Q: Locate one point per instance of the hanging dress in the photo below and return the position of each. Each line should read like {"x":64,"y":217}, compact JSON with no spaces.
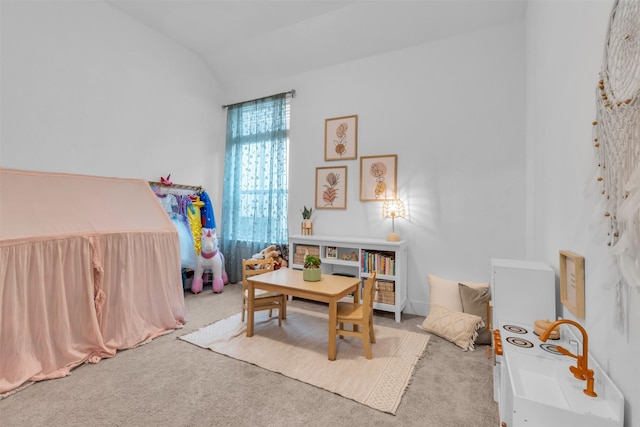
{"x":195,"y":220}
{"x":208,"y":217}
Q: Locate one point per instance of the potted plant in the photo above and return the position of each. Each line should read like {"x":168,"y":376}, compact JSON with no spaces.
{"x":311,"y":271}
{"x":307,"y":227}
{"x":306,"y":213}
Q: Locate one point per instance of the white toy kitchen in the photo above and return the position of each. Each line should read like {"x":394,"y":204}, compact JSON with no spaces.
{"x":534,"y":381}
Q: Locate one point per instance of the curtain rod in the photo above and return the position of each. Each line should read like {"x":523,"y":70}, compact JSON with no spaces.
{"x":292,"y":92}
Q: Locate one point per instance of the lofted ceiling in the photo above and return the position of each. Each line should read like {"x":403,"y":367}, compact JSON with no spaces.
{"x":243,"y":40}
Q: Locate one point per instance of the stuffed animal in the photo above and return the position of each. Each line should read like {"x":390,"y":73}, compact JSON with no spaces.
{"x":280,"y":262}
{"x":266,"y":253}
{"x":210,"y":259}
{"x":271,"y":252}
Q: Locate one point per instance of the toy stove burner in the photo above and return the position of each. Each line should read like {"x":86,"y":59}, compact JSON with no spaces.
{"x":551,"y":348}
{"x":515,"y":329}
{"x":520,"y":342}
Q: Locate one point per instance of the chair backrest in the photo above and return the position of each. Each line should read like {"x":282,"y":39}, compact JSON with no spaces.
{"x":367,"y":298}
{"x":253,"y":267}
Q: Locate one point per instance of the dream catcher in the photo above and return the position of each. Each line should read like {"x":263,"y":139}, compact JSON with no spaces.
{"x":616,"y":138}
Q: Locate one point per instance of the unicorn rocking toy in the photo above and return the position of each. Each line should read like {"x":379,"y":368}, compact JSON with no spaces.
{"x":210,"y":259}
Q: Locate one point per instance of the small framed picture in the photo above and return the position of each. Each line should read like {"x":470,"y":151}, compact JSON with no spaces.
{"x":331,"y":187}
{"x":378,"y":177}
{"x":572,"y":282}
{"x":341,"y":138}
{"x":332,"y":252}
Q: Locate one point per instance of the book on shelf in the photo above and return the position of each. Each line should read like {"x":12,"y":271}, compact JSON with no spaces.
{"x":381,"y":262}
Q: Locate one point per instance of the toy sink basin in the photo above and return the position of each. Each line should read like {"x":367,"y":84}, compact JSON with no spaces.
{"x":546,"y":393}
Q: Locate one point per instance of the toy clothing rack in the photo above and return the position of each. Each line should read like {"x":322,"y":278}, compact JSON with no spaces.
{"x":177,"y":199}
{"x":179,"y":189}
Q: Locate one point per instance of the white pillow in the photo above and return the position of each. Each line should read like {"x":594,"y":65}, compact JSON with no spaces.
{"x":459,"y":328}
{"x":445,"y":292}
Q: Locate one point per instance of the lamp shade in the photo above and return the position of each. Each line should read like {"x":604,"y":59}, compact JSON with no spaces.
{"x":393,"y":208}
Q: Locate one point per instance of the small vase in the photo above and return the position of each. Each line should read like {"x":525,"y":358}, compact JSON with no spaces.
{"x":311,"y":274}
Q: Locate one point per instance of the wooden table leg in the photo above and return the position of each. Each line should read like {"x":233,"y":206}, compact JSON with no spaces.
{"x":251,"y":291}
{"x":284,"y":308}
{"x":333,"y":318}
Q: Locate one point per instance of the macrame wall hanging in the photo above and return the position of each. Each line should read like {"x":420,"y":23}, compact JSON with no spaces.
{"x":616,"y":138}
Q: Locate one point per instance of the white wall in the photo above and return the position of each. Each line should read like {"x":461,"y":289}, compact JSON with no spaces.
{"x":565,"y":45}
{"x":453,"y":112}
{"x":86,"y":89}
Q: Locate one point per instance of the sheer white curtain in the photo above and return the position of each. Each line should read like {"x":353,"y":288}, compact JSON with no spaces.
{"x":255,"y":201}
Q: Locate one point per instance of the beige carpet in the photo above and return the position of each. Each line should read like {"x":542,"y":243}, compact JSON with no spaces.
{"x":298,"y":350}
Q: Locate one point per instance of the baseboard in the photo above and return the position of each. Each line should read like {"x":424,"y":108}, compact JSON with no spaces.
{"x":418,"y":308}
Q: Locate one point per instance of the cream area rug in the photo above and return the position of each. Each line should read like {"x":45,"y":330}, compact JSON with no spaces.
{"x":299,"y":348}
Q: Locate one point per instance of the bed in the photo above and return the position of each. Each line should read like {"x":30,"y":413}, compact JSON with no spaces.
{"x":88,"y":266}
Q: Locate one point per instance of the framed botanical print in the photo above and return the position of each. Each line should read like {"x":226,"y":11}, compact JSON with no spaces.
{"x":341,"y":138}
{"x":331,"y":187}
{"x":378,"y":177}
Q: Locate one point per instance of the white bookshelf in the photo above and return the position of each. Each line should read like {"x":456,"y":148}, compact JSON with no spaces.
{"x":361,"y":254}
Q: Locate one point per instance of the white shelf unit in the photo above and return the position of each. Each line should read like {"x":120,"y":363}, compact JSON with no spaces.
{"x":354,"y":248}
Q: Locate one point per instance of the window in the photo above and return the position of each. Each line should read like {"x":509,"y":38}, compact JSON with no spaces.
{"x":255,"y":191}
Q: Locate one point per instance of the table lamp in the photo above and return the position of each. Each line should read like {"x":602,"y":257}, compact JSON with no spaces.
{"x":393,"y":208}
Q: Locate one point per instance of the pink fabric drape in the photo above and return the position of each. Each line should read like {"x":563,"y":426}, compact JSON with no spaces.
{"x":88,"y":266}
